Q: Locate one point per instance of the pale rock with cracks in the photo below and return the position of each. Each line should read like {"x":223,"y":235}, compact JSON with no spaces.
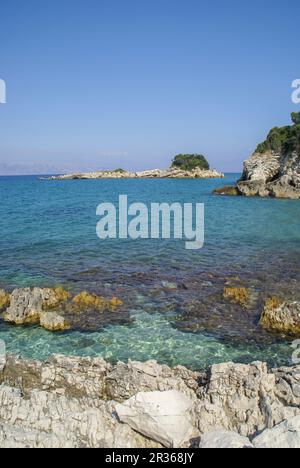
{"x":71,"y":401}
{"x":271,"y":174}
{"x":126,"y":380}
{"x":224,"y":440}
{"x":52,"y":420}
{"x":27,"y":306}
{"x":284,"y":435}
{"x":242,"y":398}
{"x":161,"y":416}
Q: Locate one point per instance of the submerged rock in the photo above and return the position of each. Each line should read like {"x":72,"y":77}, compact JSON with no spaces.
{"x":237,"y":295}
{"x":227,"y":190}
{"x":4,"y":299}
{"x":86,"y":300}
{"x":282,"y":316}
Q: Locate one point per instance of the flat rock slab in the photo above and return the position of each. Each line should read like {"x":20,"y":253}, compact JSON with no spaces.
{"x":162,"y":416}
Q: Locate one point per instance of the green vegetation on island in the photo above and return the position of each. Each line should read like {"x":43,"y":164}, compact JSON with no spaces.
{"x":189,"y":162}
{"x":119,"y":171}
{"x":283,"y":140}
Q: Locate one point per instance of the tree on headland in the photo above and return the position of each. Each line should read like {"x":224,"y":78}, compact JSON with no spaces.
{"x":189,"y":162}
{"x":284,"y":140}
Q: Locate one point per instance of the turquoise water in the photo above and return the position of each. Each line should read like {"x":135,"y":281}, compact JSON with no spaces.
{"x":48,"y":237}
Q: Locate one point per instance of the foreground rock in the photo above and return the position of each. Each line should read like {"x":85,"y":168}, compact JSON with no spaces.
{"x":285,"y":435}
{"x":274,"y":168}
{"x":244,"y":399}
{"x":74,"y":402}
{"x":161,"y":416}
{"x":224,"y":440}
{"x":282,"y":316}
{"x":171,"y":173}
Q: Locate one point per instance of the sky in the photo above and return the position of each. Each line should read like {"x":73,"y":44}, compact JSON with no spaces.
{"x":103,"y":84}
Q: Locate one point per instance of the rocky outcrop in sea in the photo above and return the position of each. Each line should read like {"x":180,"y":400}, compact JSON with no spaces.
{"x":171,"y":173}
{"x":85,"y":402}
{"x":274,"y":168}
{"x":55,"y":309}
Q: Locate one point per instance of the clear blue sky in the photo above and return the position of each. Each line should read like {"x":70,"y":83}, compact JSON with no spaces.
{"x":128,"y":83}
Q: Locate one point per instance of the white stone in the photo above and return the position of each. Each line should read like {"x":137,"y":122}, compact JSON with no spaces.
{"x":284,"y":435}
{"x":162,"y":416}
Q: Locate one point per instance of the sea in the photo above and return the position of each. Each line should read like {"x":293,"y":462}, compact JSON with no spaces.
{"x":173,"y":306}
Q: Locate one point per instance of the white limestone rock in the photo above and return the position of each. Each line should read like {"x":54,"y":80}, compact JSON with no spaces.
{"x":284,"y":435}
{"x":161,"y":416}
{"x":224,"y":440}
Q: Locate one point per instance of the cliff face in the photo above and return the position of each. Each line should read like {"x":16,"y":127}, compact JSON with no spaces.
{"x":272,"y":174}
{"x":274,"y":168}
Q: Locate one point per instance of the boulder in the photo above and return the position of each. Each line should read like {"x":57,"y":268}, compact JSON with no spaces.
{"x":26,"y":306}
{"x":229,"y":190}
{"x":282,"y":436}
{"x":224,"y":440}
{"x":52,"y":321}
{"x":282,"y":316}
{"x":53,"y":309}
{"x":252,"y":188}
{"x":161,"y":416}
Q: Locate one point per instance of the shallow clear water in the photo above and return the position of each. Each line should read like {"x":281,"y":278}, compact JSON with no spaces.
{"x":48,"y":237}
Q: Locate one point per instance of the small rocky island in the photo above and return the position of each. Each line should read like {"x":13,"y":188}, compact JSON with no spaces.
{"x":274,"y":168}
{"x":184,"y":166}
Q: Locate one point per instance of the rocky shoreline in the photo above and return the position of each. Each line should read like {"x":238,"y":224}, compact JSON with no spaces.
{"x":85,"y":402}
{"x":273,"y":170}
{"x":171,"y":173}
